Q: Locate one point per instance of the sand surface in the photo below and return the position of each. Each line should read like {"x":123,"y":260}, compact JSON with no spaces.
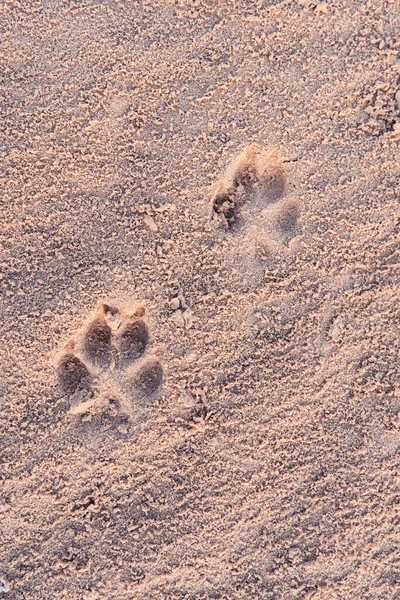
{"x":266,"y":465}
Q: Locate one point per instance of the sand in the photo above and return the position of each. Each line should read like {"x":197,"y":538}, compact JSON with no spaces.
{"x":250,"y":448}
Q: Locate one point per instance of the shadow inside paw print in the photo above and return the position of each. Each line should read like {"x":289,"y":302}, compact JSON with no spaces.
{"x":108,"y":363}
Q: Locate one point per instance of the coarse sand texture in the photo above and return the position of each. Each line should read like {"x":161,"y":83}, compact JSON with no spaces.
{"x":199,"y":283}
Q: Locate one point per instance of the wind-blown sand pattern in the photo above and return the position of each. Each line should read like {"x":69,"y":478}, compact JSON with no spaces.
{"x":239,"y":438}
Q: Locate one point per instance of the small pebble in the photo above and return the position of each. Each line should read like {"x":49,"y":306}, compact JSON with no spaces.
{"x":150,"y":223}
{"x":175,"y":303}
{"x":322,"y":8}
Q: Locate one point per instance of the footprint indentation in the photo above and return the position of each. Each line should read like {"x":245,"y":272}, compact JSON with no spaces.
{"x":72,"y":373}
{"x":97,"y":342}
{"x":255,"y":176}
{"x":251,"y":202}
{"x":149,"y":378}
{"x":132,"y":341}
{"x":224,"y":204}
{"x":109,"y":360}
{"x":288,"y":215}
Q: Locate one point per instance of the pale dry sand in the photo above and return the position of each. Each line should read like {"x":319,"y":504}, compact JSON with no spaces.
{"x":268,"y":467}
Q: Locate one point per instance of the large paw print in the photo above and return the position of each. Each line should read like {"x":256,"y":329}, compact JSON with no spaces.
{"x":108,"y":364}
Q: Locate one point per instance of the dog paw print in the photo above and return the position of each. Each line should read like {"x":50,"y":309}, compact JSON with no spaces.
{"x":256,"y":181}
{"x":108,"y":366}
{"x":252,"y":202}
{"x":255,"y":177}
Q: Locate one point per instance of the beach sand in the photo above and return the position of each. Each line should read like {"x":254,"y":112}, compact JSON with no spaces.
{"x":227,"y":174}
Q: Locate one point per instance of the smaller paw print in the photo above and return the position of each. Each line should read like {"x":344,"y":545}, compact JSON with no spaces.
{"x":108,"y":366}
{"x":256,"y":178}
{"x":253,"y":193}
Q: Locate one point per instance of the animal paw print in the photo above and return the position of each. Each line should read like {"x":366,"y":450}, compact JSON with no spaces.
{"x":108,"y":365}
{"x":256,"y":179}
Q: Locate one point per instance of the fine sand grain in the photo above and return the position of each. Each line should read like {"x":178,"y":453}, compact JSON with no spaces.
{"x":200,"y":374}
